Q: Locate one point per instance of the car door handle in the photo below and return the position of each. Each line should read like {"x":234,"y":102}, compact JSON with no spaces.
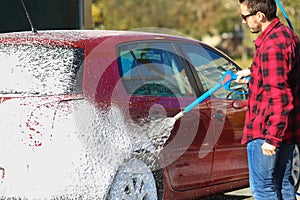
{"x":219,"y":115}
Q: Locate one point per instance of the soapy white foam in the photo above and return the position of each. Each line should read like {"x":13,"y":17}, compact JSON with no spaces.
{"x":51,"y":148}
{"x":36,"y":69}
{"x":76,"y":156}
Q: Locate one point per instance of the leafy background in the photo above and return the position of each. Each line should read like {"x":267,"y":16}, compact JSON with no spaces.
{"x":199,"y":19}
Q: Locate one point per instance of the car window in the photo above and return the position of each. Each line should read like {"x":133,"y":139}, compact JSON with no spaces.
{"x":153,"y":68}
{"x":40,"y":70}
{"x":210,"y":66}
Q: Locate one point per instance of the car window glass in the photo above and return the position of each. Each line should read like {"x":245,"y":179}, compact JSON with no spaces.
{"x":40,"y":70}
{"x":210,"y":66}
{"x":153,"y":68}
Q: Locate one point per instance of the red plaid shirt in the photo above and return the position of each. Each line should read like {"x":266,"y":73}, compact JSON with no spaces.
{"x":274,"y":88}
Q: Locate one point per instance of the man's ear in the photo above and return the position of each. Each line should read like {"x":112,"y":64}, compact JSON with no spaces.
{"x":261,"y":17}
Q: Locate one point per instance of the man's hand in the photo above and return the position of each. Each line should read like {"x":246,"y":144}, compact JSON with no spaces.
{"x":241,"y":76}
{"x":268,"y":149}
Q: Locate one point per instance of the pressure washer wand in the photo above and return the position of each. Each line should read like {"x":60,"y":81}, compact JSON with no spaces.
{"x":198,"y":101}
{"x":224,"y":82}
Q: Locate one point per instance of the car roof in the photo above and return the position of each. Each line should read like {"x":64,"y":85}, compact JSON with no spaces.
{"x":79,"y":38}
{"x":90,"y":38}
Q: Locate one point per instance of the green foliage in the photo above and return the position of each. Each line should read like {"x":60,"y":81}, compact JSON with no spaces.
{"x":194,"y":18}
{"x":191,"y":17}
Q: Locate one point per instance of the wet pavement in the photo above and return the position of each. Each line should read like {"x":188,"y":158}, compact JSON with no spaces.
{"x":243,"y":194}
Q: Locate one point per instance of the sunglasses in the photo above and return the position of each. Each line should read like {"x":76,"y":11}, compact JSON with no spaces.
{"x":244,"y":17}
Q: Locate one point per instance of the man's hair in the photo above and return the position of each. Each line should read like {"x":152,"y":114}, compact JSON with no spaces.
{"x":268,"y":7}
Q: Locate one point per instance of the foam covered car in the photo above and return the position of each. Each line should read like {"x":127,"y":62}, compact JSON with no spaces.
{"x":82,"y":116}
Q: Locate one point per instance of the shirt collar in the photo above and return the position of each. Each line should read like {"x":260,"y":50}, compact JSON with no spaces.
{"x":266,"y":32}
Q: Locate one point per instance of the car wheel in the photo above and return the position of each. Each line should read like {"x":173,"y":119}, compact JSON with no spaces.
{"x":296,"y":167}
{"x":134,"y":180}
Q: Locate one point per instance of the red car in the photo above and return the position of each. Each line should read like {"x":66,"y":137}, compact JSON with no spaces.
{"x":84,"y":113}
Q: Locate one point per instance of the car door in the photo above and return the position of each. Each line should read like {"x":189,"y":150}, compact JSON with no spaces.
{"x":156,"y":77}
{"x":227,"y":113}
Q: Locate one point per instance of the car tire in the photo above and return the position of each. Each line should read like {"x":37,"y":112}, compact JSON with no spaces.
{"x":136,"y":180}
{"x":296,"y":168}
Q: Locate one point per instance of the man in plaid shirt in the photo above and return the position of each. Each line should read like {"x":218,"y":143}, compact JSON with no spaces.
{"x":272,"y":124}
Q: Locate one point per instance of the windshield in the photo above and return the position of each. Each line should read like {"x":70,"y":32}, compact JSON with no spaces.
{"x":40,"y":70}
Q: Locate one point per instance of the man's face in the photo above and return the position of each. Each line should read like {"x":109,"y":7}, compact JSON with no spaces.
{"x":250,"y":18}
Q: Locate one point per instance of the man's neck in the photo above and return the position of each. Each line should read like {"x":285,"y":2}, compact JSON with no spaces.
{"x":265,"y":25}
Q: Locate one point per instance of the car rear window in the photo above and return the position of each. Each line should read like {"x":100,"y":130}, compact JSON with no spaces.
{"x":40,"y":70}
